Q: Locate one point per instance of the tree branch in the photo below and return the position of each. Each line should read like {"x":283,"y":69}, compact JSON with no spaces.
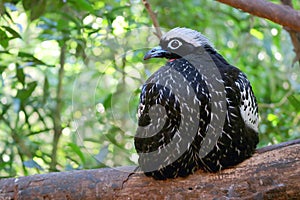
{"x":283,"y":15}
{"x":153,"y":18}
{"x":295,"y":36}
{"x":271,"y":173}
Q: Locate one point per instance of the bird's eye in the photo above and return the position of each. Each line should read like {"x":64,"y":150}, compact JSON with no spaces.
{"x":174,"y":44}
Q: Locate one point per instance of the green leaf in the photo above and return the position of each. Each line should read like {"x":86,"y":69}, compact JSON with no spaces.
{"x":27,"y":4}
{"x":20,"y":75}
{"x":107,"y":101}
{"x":6,"y":52}
{"x":24,"y":94}
{"x":30,"y":58}
{"x":76,"y":149}
{"x":3,"y":39}
{"x":36,"y":8}
{"x":2,"y":68}
{"x":14,"y":33}
{"x":82,"y":5}
{"x":45,"y":89}
{"x":4,"y":110}
{"x":61,"y":25}
{"x":295,"y":102}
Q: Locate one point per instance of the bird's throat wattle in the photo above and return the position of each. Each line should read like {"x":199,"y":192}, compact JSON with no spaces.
{"x":172,"y":59}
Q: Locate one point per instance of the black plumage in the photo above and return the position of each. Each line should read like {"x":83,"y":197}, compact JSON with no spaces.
{"x":196,"y":112}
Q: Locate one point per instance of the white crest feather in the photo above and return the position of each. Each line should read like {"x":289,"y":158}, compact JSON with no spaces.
{"x":190,"y":36}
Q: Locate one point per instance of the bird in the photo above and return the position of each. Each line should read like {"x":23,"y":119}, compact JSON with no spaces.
{"x":195,"y":112}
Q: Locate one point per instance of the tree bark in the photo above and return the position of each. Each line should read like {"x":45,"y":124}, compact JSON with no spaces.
{"x":280,"y":14}
{"x":272,"y":173}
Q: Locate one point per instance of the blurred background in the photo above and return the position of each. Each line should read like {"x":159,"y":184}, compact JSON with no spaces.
{"x":71,"y":72}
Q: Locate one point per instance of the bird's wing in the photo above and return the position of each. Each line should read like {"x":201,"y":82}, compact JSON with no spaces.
{"x":248,"y":104}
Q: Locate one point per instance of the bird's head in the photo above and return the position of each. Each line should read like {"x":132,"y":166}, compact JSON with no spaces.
{"x":178,"y":43}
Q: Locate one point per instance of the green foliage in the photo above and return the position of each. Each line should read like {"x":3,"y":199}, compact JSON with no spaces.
{"x":71,"y":71}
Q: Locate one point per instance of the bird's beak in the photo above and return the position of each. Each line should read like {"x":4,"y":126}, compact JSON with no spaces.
{"x":157,"y":52}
